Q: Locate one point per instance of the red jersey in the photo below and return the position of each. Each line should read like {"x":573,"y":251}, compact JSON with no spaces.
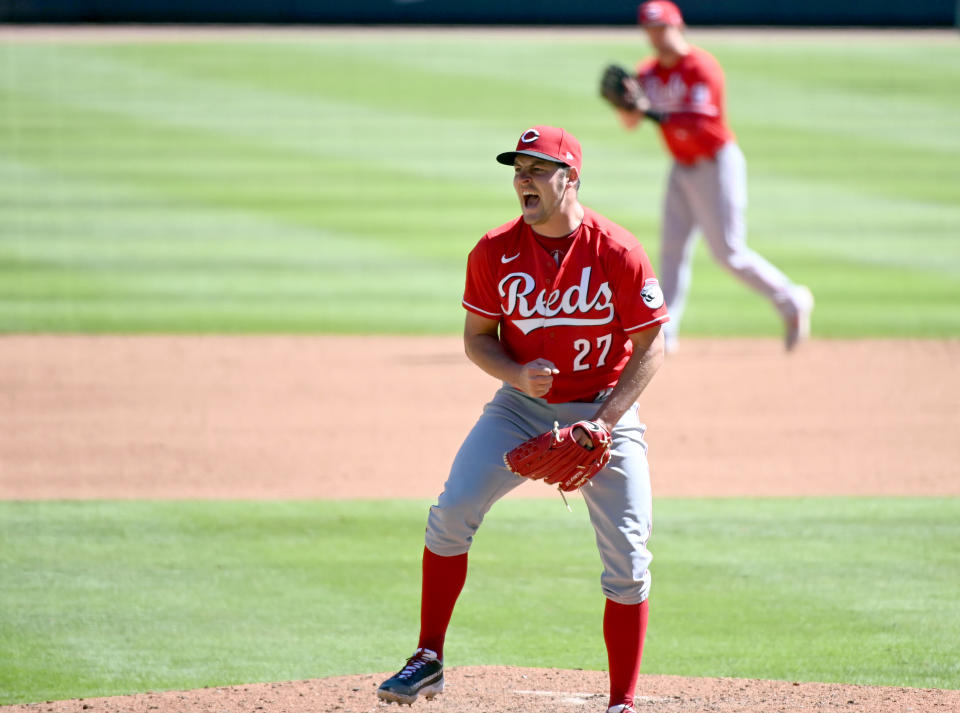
{"x":578,"y":313}
{"x":692,"y":94}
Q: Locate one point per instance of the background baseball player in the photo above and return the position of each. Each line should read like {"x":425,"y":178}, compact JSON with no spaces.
{"x":563,"y":307}
{"x":682,"y":89}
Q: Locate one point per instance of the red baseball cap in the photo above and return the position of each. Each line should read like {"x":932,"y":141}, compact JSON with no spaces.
{"x":547,"y":142}
{"x":657,"y":13}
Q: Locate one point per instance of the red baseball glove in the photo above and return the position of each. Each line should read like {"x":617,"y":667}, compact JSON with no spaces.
{"x":557,"y":458}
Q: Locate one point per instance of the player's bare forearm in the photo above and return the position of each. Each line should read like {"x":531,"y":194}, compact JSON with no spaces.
{"x":483,"y":347}
{"x":646,"y":359}
{"x":534,"y":378}
{"x":630,"y":118}
{"x":486,"y":351}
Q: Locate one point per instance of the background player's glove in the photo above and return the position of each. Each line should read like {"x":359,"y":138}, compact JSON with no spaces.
{"x":557,"y":457}
{"x":614,"y":89}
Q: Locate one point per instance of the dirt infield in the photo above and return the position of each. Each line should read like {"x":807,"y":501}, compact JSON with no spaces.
{"x":245,"y":417}
{"x":208,"y":417}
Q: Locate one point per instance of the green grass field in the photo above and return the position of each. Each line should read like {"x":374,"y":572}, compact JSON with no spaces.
{"x":118,"y":597}
{"x":334,"y":184}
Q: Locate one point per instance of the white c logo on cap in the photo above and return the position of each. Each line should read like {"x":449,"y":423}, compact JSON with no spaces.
{"x":529,"y":136}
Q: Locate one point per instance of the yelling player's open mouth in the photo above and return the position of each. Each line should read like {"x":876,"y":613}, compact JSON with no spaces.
{"x":530,"y":199}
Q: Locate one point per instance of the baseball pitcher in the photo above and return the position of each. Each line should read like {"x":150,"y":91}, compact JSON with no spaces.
{"x":562,"y":305}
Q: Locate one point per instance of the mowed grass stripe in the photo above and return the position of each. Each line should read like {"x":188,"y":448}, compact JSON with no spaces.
{"x":141,"y":260}
{"x":382,"y":142}
{"x":846,"y":114}
{"x":256,"y":102}
{"x":118,"y":597}
{"x":199,"y":165}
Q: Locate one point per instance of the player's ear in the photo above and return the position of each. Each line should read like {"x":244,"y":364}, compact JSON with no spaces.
{"x":573,"y":176}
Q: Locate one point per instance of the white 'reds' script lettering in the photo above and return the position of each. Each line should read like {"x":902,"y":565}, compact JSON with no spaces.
{"x":554,"y":309}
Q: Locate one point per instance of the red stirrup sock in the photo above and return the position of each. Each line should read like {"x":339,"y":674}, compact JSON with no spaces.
{"x":624,"y":628}
{"x":443,"y":579}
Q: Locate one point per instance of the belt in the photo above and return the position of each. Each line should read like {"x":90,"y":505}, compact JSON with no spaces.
{"x":584,"y":400}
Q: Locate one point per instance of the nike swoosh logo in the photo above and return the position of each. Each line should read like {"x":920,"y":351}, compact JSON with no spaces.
{"x":504,"y":259}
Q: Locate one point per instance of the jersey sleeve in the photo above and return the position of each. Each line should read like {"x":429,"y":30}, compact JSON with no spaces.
{"x":705,"y":79}
{"x":480,"y":294}
{"x":637,"y":291}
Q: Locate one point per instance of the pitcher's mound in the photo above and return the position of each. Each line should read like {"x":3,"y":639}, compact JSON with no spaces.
{"x":497,"y":689}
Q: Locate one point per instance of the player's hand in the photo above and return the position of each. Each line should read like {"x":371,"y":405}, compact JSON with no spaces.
{"x":634,"y":96}
{"x":536,"y":377}
{"x":584,"y":438}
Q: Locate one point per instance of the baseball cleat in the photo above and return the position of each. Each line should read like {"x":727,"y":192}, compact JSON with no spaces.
{"x":622,"y":708}
{"x":422,"y":675}
{"x":798,"y":326}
